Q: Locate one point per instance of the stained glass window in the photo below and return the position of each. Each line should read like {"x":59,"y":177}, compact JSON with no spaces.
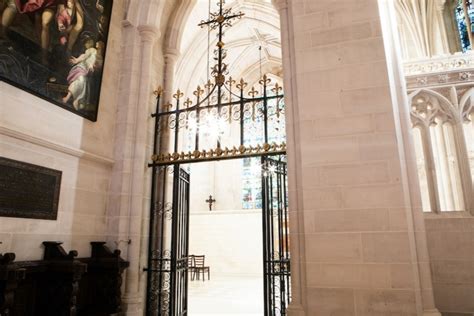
{"x":461,"y":23}
{"x":254,"y":135}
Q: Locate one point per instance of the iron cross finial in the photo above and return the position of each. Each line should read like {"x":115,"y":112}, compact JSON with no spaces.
{"x":210,"y":201}
{"x":221,"y":18}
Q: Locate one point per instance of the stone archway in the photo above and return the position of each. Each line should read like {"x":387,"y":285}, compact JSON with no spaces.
{"x":280,"y":20}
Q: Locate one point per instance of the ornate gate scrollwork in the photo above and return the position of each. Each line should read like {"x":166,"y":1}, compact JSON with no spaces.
{"x":168,"y":246}
{"x":221,"y":103}
{"x":276,"y":242}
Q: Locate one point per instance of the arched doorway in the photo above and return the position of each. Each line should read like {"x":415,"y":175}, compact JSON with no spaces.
{"x":193,"y":127}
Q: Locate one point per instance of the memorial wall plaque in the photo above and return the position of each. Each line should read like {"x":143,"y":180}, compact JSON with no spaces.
{"x":28,"y":191}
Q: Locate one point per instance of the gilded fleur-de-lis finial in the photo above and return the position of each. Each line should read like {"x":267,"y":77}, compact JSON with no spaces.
{"x":158,"y":91}
{"x":199,"y":91}
{"x":242,"y":84}
{"x":253,"y":92}
{"x":167,"y":106}
{"x":265,"y":80}
{"x":277,"y":88}
{"x":188,"y":103}
{"x":178,"y":95}
{"x":209,"y":85}
{"x":230,"y":81}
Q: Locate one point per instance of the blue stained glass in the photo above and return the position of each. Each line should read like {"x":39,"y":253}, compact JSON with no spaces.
{"x":254,"y":135}
{"x":461,"y":24}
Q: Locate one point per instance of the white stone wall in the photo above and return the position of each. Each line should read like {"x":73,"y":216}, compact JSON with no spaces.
{"x":230,"y":240}
{"x":358,"y":240}
{"x":222,"y":180}
{"x":451,"y":247}
{"x":35,"y":131}
{"x":230,"y":237}
{"x":355,"y":213}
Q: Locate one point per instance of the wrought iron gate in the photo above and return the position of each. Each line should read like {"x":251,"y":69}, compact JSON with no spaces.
{"x":167,"y":285}
{"x":276,"y":251}
{"x":189,"y":130}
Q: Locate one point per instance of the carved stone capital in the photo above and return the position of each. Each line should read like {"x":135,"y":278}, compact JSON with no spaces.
{"x":171,"y":54}
{"x":148,"y":33}
{"x":126,"y":23}
{"x":280,"y":4}
{"x":440,"y":5}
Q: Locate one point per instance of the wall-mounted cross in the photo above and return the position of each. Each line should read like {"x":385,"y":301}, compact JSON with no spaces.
{"x":210,"y":201}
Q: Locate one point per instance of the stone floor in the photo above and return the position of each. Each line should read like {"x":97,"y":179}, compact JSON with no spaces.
{"x":226,"y":295}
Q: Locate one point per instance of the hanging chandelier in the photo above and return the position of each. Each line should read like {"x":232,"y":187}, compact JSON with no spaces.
{"x":216,"y":106}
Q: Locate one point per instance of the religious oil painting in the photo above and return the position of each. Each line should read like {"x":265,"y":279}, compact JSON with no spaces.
{"x":55,"y":49}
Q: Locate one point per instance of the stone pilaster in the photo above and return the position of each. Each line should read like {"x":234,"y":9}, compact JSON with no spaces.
{"x":132,"y":296}
{"x":356,"y":238}
{"x":298,"y":269}
{"x":409,"y":179}
{"x":170,"y":57}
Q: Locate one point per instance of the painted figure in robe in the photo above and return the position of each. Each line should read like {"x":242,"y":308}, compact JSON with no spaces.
{"x":79,"y":75}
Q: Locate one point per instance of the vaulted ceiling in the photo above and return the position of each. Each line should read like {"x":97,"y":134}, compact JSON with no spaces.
{"x":259,"y":28}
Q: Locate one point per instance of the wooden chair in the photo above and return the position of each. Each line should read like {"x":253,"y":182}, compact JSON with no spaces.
{"x":200,"y":268}
{"x":191,"y":266}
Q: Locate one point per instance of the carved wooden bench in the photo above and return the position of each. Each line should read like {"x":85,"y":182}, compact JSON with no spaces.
{"x":62,"y":284}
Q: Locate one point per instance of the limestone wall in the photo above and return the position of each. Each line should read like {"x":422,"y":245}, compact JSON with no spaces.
{"x":35,"y":131}
{"x":222,"y":180}
{"x":352,"y":201}
{"x":451,"y":248}
{"x":230,"y":240}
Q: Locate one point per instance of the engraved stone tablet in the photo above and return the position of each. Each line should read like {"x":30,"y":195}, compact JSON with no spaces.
{"x":28,"y":190}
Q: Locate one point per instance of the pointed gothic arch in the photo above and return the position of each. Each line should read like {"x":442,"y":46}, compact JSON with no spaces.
{"x":171,"y":55}
{"x":192,"y":58}
{"x":443,"y":162}
{"x":144,"y":12}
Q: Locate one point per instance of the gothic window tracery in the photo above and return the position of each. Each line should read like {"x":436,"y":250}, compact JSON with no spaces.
{"x":441,"y":150}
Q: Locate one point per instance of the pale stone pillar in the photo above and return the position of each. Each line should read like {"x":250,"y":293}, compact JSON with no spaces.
{"x":133,"y":296}
{"x":440,"y":38}
{"x":401,"y":109}
{"x":358,"y":240}
{"x":298,"y":279}
{"x":450,"y":25}
{"x":170,"y":57}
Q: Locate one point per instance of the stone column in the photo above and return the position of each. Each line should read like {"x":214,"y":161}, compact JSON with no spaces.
{"x":170,"y":56}
{"x":298,"y":279}
{"x":447,"y":9}
{"x":133,"y":297}
{"x":361,"y":248}
{"x":409,"y":173}
{"x":440,"y":38}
